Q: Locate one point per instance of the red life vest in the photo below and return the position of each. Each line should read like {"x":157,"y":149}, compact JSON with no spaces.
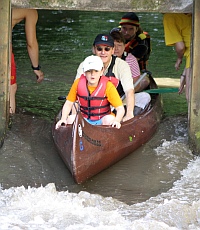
{"x":96,"y":105}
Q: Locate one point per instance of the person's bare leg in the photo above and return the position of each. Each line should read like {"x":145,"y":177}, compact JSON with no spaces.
{"x":185,"y":82}
{"x":187,"y":88}
{"x":13,"y":90}
{"x":180,"y":49}
{"x":144,"y":83}
{"x":182,"y":82}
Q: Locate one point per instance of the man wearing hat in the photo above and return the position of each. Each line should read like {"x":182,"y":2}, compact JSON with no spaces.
{"x":137,"y":41}
{"x":119,"y":73}
{"x":95,"y":94}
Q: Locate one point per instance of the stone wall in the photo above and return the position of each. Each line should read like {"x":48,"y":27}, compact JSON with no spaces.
{"x":109,"y":5}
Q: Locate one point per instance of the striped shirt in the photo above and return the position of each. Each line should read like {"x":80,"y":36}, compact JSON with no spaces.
{"x":133,"y":63}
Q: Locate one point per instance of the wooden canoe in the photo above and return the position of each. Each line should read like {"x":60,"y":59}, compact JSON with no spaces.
{"x":88,"y":150}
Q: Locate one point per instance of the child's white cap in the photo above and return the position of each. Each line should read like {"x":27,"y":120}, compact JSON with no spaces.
{"x":92,"y":63}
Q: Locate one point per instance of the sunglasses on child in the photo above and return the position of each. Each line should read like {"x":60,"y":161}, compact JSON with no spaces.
{"x":100,"y":48}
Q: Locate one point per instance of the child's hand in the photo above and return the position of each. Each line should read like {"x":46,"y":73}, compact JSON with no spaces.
{"x":115,"y":124}
{"x":60,"y":123}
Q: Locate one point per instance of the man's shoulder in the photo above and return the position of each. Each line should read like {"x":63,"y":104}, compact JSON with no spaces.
{"x":121,"y":68}
{"x":120,"y":62}
{"x":79,"y":70}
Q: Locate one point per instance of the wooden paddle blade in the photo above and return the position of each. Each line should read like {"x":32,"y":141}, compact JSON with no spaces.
{"x":162,"y":90}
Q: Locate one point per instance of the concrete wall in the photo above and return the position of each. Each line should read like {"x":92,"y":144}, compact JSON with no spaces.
{"x":109,"y":5}
{"x":5,"y":28}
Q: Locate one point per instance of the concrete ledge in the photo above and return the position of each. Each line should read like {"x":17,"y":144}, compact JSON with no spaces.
{"x":167,"y":82}
{"x":111,"y":5}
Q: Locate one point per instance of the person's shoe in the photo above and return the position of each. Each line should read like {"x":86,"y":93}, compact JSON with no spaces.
{"x":137,"y":110}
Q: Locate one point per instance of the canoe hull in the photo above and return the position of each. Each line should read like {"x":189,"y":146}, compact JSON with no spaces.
{"x":88,"y":149}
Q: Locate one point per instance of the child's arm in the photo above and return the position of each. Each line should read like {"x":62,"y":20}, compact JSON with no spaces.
{"x":119,"y":115}
{"x":71,"y":98}
{"x":65,"y":113}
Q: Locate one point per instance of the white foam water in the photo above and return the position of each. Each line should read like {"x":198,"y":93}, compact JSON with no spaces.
{"x":178,"y":208}
{"x":46,"y":208}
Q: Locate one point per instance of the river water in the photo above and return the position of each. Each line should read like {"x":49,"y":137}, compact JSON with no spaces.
{"x":156,"y":187}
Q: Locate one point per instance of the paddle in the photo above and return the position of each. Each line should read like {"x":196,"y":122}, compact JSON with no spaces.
{"x":162,"y":90}
{"x":159,"y":90}
{"x":141,"y":77}
{"x":62,"y":98}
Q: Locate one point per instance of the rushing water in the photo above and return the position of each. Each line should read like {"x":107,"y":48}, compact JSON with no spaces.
{"x":156,"y":187}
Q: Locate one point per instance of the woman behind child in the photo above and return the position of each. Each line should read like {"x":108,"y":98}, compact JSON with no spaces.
{"x":132,"y":61}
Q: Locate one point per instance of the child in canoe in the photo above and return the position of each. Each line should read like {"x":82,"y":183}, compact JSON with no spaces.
{"x":95,"y":93}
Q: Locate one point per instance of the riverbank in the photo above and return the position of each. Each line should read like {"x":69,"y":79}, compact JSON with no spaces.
{"x":167,"y":82}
